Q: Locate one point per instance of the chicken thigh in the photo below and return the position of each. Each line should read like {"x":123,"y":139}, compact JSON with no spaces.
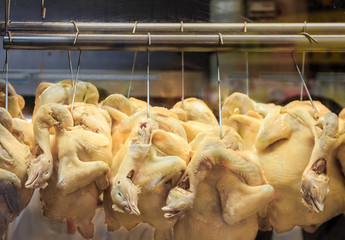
{"x":245,"y":116}
{"x":62,"y":93}
{"x":296,"y":148}
{"x":222,"y":192}
{"x":166,"y":120}
{"x":15,"y":102}
{"x":71,"y":171}
{"x":195,"y":116}
{"x":144,"y":170}
{"x":13,"y":166}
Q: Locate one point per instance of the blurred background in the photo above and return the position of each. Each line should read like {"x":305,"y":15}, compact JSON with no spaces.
{"x":272,"y":76}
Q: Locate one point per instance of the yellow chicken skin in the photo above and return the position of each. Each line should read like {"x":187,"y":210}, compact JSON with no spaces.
{"x":15,"y":102}
{"x":119,"y":108}
{"x":222,"y":193}
{"x":144,"y":169}
{"x":166,"y":120}
{"x":296,"y":148}
{"x":71,"y":171}
{"x":195,"y":116}
{"x":245,"y":116}
{"x":13,"y":166}
{"x":62,"y":93}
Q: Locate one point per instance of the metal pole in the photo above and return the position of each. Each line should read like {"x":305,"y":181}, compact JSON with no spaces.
{"x":196,"y":28}
{"x":178,"y":42}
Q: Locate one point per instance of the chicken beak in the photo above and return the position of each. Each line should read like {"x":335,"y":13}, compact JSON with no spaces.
{"x":134,"y":209}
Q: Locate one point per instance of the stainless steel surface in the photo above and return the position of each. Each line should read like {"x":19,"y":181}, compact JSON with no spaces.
{"x":224,"y":28}
{"x":304,"y":84}
{"x":176,"y":42}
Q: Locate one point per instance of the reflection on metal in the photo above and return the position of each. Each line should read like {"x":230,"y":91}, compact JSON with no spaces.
{"x":304,"y":84}
{"x":263,"y":37}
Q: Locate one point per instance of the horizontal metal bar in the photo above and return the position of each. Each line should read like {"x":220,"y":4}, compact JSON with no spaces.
{"x":171,"y":42}
{"x":224,"y":28}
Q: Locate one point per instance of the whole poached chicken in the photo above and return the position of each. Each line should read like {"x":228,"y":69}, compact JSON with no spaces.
{"x":71,"y":169}
{"x":145,"y":167}
{"x":222,"y":192}
{"x":297,"y":148}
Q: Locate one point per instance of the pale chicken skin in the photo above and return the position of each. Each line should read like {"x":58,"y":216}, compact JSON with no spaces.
{"x":145,"y":168}
{"x":14,"y":156}
{"x":195,"y":116}
{"x":62,"y":93}
{"x":15,"y":102}
{"x":296,"y":148}
{"x":72,"y":171}
{"x":245,"y":116}
{"x":119,"y":108}
{"x":166,"y":120}
{"x":222,"y":193}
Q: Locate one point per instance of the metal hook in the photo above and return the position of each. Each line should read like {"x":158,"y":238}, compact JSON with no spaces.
{"x":76,"y":33}
{"x":76,"y":81}
{"x":133,"y":67}
{"x":221,"y":41}
{"x":307,"y":35}
{"x":70,"y":66}
{"x":247,"y":74}
{"x":219,"y":98}
{"x":181,"y":26}
{"x":148,"y":84}
{"x":149,"y":38}
{"x":10,"y":36}
{"x":303,"y":64}
{"x":304,"y":84}
{"x":304,"y":26}
{"x":6,"y":79}
{"x":43,"y":10}
{"x":135,"y":26}
{"x":182,"y":78}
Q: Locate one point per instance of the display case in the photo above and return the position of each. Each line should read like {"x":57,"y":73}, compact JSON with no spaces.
{"x":173,"y":120}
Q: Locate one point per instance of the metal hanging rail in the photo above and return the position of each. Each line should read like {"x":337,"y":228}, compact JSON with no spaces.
{"x":259,"y":37}
{"x":224,"y":28}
